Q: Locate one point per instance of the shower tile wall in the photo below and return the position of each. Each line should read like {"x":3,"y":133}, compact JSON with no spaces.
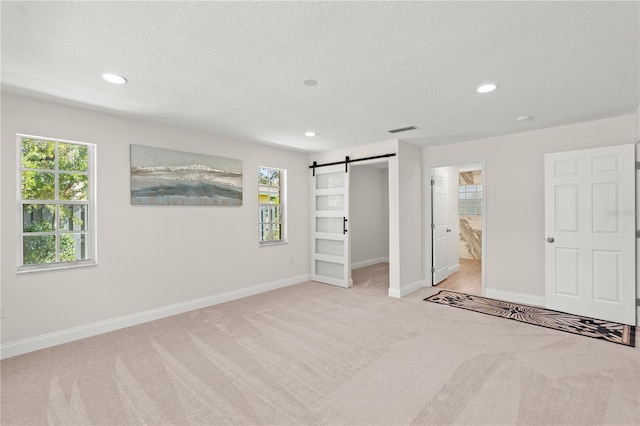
{"x":470,"y":225}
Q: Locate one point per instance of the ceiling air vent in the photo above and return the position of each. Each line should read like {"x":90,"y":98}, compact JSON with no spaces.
{"x":403,"y":129}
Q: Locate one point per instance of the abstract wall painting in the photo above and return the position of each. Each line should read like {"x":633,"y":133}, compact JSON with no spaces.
{"x":167,"y":177}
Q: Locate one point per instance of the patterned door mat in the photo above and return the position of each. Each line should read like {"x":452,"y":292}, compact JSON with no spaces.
{"x":599,"y":329}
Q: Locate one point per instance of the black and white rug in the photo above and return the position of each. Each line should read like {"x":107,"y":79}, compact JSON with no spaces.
{"x":576,"y":324}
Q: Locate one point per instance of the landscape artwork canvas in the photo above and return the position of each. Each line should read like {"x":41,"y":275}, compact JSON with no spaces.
{"x":167,"y":177}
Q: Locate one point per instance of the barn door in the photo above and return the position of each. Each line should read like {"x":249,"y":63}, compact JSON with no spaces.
{"x":330,"y":253}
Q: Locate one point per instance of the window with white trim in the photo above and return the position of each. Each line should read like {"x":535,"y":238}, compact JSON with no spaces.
{"x":271,"y":226}
{"x":56,"y":206}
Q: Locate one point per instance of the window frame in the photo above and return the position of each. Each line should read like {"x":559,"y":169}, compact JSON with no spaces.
{"x":91,"y":218}
{"x":283,"y":208}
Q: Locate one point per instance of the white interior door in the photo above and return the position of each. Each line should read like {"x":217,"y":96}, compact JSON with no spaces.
{"x":440,"y":230}
{"x":330,"y":253}
{"x":590,"y":232}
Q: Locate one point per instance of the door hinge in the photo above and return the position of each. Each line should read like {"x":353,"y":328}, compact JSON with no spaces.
{"x":433,"y":270}
{"x":637,"y":165}
{"x":433,"y":226}
{"x":433,"y":182}
{"x":637,"y":234}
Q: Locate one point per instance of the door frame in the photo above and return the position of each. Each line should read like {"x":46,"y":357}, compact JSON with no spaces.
{"x":393,"y":257}
{"x":428,"y":219}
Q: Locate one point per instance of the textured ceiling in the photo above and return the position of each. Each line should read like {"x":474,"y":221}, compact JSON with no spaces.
{"x":236,"y":69}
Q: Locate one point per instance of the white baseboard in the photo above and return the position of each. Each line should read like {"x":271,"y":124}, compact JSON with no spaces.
{"x":76,"y":333}
{"x":407,"y":289}
{"x":454,"y":268}
{"x":369,"y":262}
{"x":508,"y":296}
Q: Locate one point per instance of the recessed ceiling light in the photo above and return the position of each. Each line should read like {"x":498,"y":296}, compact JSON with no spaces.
{"x":310,"y":134}
{"x":523,"y":117}
{"x":311,"y":82}
{"x":114,"y":78}
{"x":486,"y":88}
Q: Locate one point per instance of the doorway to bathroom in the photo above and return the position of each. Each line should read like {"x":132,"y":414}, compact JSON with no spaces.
{"x":457,"y":221}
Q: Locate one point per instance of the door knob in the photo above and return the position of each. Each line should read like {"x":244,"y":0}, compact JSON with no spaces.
{"x":448,"y":230}
{"x":550,"y":239}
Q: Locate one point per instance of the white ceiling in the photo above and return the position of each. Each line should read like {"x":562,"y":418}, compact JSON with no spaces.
{"x":236,"y":69}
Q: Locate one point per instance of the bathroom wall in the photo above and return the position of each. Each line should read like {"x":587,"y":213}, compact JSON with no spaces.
{"x":470,"y":244}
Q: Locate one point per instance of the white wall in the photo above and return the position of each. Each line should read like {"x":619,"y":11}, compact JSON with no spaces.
{"x":637,"y":125}
{"x":369,"y":211}
{"x":411,"y":217}
{"x":149,"y":256}
{"x":514,"y":194}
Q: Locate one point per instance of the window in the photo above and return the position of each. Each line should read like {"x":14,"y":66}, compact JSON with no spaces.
{"x":271,"y":205}
{"x":470,"y":200}
{"x":56,"y":206}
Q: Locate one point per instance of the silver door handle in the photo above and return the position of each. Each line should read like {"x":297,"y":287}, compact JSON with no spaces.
{"x":550,"y":239}
{"x":448,"y":230}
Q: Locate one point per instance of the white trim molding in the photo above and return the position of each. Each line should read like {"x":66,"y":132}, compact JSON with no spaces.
{"x":401,"y":292}
{"x":454,"y":268}
{"x":508,"y":296}
{"x":81,"y":332}
{"x":369,"y":262}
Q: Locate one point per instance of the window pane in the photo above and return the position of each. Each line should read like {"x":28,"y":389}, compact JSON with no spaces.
{"x":471,"y":195}
{"x":73,"y":187}
{"x":38,"y":154}
{"x":461,"y":195}
{"x":330,"y":180}
{"x":38,"y":185}
{"x":263,"y":214}
{"x":264,"y":232}
{"x":39,"y":249}
{"x":479,"y":195}
{"x":479,"y":187}
{"x":330,"y":202}
{"x":275,"y":232}
{"x":461,"y":188}
{"x":38,"y":217}
{"x":73,"y":157}
{"x":274,"y":196}
{"x":333,"y":225}
{"x":73,"y":217}
{"x":73,"y":247}
{"x":275,"y":213}
{"x":274,"y":178}
{"x":263,"y":176}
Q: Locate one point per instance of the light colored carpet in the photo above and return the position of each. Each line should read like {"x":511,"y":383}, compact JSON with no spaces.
{"x":317,"y":354}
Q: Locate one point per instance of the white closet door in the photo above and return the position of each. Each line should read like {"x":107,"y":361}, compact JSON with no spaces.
{"x":330,"y":253}
{"x":590,"y":248}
